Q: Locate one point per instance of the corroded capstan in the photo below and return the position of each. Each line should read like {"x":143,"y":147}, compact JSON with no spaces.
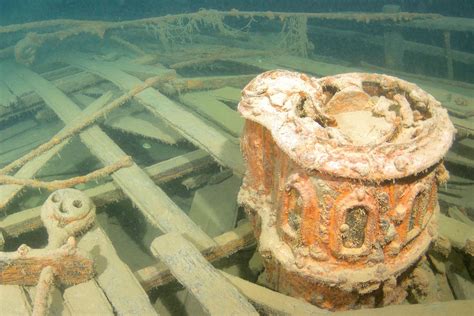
{"x":341,"y":182}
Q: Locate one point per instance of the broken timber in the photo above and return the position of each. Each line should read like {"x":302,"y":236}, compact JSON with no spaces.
{"x":224,"y":150}
{"x":228,"y":243}
{"x":157,"y":207}
{"x":216,"y":295}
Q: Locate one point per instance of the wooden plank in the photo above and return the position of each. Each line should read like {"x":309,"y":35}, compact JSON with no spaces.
{"x":87,"y":299}
{"x":269,"y":302}
{"x":227,"y":244}
{"x":153,"y":202}
{"x":209,"y":82}
{"x":128,"y":65}
{"x":216,"y":295}
{"x":224,"y":150}
{"x":68,"y":84}
{"x":214,"y":207}
{"x":56,"y":305}
{"x":13,"y":301}
{"x":208,"y":104}
{"x":458,"y":159}
{"x":464,"y":127}
{"x":16,"y":147}
{"x":458,"y":191}
{"x":141,"y":123}
{"x":28,"y":220}
{"x":15,"y":84}
{"x":444,"y":23}
{"x":114,"y":277}
{"x":459,"y":278}
{"x":459,"y":234}
{"x":31,"y":168}
{"x":431,"y":309}
{"x":135,"y":120}
{"x":455,"y":213}
{"x":17,"y":129}
{"x":7,"y":98}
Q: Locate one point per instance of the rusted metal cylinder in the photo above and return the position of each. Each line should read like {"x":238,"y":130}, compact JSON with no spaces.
{"x":341,"y":182}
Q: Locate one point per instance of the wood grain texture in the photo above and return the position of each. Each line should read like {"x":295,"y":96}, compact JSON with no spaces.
{"x":216,"y":295}
{"x":157,"y":207}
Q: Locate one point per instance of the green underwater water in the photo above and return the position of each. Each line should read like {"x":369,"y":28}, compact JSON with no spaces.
{"x":233,"y":41}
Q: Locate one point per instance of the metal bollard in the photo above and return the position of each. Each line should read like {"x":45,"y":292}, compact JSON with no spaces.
{"x":341,"y":183}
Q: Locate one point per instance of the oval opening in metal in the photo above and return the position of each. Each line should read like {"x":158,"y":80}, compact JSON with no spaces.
{"x":356,"y":222}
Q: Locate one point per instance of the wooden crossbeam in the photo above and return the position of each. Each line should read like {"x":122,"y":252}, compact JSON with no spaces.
{"x":28,"y":220}
{"x":459,"y":234}
{"x":157,"y":207}
{"x":14,"y":301}
{"x":216,"y":295}
{"x":29,"y":170}
{"x":87,"y":299}
{"x":226,"y":244}
{"x":224,"y":150}
{"x":114,"y":277}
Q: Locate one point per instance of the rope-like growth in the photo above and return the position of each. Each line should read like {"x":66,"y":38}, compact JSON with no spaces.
{"x":71,"y":182}
{"x":78,"y":125}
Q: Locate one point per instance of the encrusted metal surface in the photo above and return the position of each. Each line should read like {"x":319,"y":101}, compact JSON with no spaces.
{"x":341,"y":182}
{"x":302,"y":115}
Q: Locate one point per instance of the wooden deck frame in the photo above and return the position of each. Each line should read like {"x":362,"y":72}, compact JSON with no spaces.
{"x":140,"y":188}
{"x":150,"y":199}
{"x":223,"y":149}
{"x":459,"y":241}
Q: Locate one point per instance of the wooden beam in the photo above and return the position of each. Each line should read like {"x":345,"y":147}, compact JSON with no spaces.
{"x":114,"y":277}
{"x":13,"y":301}
{"x":208,"y":104}
{"x":69,"y":84}
{"x":27,"y":220}
{"x":141,"y":123}
{"x":431,"y":309}
{"x":325,"y":33}
{"x":216,"y":295}
{"x":242,"y":236}
{"x":207,"y":83}
{"x":153,"y":202}
{"x":87,"y":299}
{"x":269,"y":302}
{"x":227,"y":244}
{"x":223,"y":149}
{"x":449,"y":54}
{"x":29,"y":170}
{"x":459,"y":234}
{"x":393,"y":41}
{"x":455,"y":213}
{"x":459,"y":278}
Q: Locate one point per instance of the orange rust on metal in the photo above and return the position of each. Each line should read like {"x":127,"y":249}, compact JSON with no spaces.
{"x":341,"y":182}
